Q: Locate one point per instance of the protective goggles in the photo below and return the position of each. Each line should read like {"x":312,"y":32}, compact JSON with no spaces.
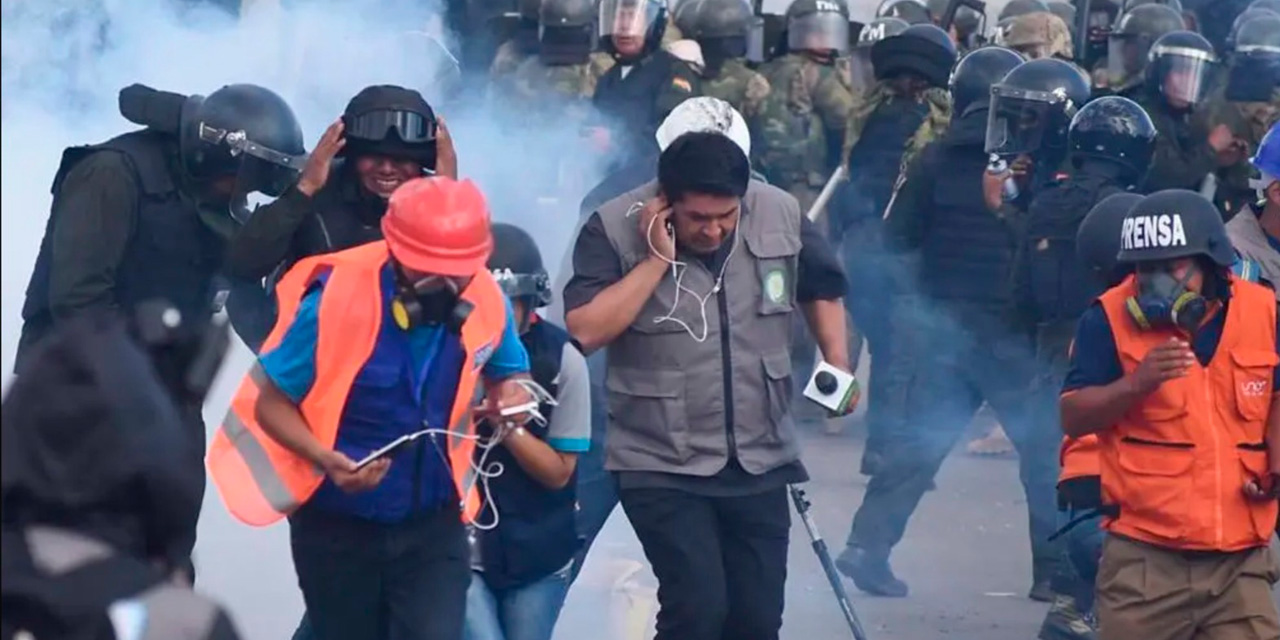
{"x":524,"y":285}
{"x":409,"y":126}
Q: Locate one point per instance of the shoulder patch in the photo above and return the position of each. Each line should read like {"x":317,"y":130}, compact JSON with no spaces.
{"x":682,"y":84}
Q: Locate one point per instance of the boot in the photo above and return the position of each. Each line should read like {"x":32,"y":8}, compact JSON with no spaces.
{"x":1065,"y":622}
{"x":871,"y":573}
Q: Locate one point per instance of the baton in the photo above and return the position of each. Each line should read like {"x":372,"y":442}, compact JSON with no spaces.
{"x":828,"y":190}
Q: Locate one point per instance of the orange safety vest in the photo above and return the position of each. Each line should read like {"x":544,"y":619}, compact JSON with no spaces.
{"x":259,"y":479}
{"x":1079,"y":458}
{"x":1176,"y":464}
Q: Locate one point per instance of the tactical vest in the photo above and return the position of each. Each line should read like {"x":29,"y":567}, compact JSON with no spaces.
{"x":1177,"y":462}
{"x":538,"y":533}
{"x":172,"y":254}
{"x":677,"y":405}
{"x":1061,"y":287}
{"x":61,"y":584}
{"x":875,"y":160}
{"x":968,"y":252}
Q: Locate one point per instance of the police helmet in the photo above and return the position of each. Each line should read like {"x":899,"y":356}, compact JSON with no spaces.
{"x":1015,"y":8}
{"x":1175,"y":223}
{"x":1003,"y":28}
{"x":516,"y":264}
{"x":863,"y":73}
{"x":566,"y":31}
{"x":1267,"y":159}
{"x":818,"y":25}
{"x":967,"y":21}
{"x":1098,"y":237}
{"x":704,"y":20}
{"x":1255,"y":64}
{"x":1115,"y":130}
{"x":1066,"y":12}
{"x":922,"y":49}
{"x":391,"y":121}
{"x":912,"y":11}
{"x":1181,"y":67}
{"x":1266,"y":5}
{"x":645,"y":20}
{"x":1039,"y":35}
{"x":529,"y":11}
{"x":1176,"y":5}
{"x":1238,"y":24}
{"x":1131,"y":39}
{"x":1032,"y":108}
{"x":245,"y":131}
{"x":977,"y":71}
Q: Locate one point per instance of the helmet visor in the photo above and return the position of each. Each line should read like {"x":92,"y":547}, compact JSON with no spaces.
{"x":821,"y":31}
{"x":1016,"y":122}
{"x":1126,"y":58}
{"x":409,"y":126}
{"x":523,"y":285}
{"x":1184,"y":74}
{"x":755,"y":40}
{"x":627,"y":18}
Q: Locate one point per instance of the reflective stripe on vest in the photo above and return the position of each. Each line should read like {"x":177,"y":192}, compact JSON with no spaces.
{"x":260,"y":480}
{"x":1177,"y":462}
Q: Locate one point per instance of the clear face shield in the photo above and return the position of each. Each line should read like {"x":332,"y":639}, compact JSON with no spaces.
{"x":821,"y":31}
{"x":864,"y":74}
{"x":1017,"y":121}
{"x":627,"y":19}
{"x":262,"y":169}
{"x":1126,"y":59}
{"x":1185,"y":74}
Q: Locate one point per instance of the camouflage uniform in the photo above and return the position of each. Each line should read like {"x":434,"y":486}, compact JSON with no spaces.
{"x":507,"y":60}
{"x":740,"y":86}
{"x":1249,"y":121}
{"x":934,"y":125}
{"x":533,"y":81}
{"x":809,"y":103}
{"x":1040,"y":35}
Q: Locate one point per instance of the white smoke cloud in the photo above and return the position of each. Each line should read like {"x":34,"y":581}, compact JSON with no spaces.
{"x":62,"y":64}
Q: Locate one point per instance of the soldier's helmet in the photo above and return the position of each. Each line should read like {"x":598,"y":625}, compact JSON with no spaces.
{"x":1181,"y":67}
{"x":1040,"y":35}
{"x":912,"y":11}
{"x":1017,"y":8}
{"x":1131,"y":39}
{"x":818,"y":25}
{"x":975,"y":74}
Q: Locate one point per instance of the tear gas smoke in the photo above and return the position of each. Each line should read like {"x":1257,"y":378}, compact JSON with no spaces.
{"x":63,"y":63}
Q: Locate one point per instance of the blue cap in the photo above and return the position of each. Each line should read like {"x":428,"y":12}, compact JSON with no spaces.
{"x":1267,"y":159}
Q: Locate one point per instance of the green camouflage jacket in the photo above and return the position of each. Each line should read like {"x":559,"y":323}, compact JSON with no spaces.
{"x":808,"y":103}
{"x":740,"y":86}
{"x":934,"y":125}
{"x":1249,"y":121}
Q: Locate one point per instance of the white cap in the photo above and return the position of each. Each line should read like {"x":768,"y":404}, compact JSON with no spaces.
{"x":705,"y":114}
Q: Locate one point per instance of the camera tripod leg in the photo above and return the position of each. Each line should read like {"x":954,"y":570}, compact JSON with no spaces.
{"x":828,"y":565}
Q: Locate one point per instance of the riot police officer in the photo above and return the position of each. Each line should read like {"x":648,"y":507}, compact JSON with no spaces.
{"x":907,"y":108}
{"x":646,"y":83}
{"x":387,"y":135}
{"x":910,"y":11}
{"x":720,"y":28}
{"x":1178,"y":75}
{"x":1129,"y":44}
{"x":564,"y":73}
{"x":966,"y":25}
{"x":967,"y":347}
{"x":1111,"y":141}
{"x":862,"y":71}
{"x":1065,"y":12}
{"x":522,"y":46}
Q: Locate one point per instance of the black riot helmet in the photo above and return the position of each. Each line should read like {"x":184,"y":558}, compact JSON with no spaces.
{"x":566,"y":31}
{"x":967,"y":20}
{"x":922,"y":49}
{"x":516,"y":264}
{"x":391,"y":121}
{"x":975,"y":74}
{"x":818,"y":25}
{"x":875,"y":31}
{"x":1131,"y":39}
{"x":243,"y":131}
{"x":1115,"y":130}
{"x":1181,"y":67}
{"x":720,"y":28}
{"x":1176,"y":5}
{"x":1266,"y":5}
{"x":911,"y":11}
{"x":1098,"y":237}
{"x":631,"y":23}
{"x":1031,"y":110}
{"x":1066,"y":11}
{"x":1255,"y":65}
{"x":1238,"y":24}
{"x":1175,"y":223}
{"x":1016,"y":8}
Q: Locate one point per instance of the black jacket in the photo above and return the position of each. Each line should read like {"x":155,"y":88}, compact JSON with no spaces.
{"x":635,"y":99}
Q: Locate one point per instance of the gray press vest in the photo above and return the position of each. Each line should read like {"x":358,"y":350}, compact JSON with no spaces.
{"x":666,"y":390}
{"x":1251,"y":242}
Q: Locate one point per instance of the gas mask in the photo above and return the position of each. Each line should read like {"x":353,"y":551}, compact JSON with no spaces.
{"x":1165,"y":301}
{"x":431,"y":301}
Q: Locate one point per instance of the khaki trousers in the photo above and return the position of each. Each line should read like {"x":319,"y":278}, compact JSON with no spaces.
{"x":1146,"y":592}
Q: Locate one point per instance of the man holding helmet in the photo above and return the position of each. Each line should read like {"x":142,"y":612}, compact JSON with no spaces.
{"x":646,"y":82}
{"x":1179,"y":74}
{"x":1174,"y":369}
{"x":720,"y":28}
{"x":387,"y":136}
{"x":387,"y":342}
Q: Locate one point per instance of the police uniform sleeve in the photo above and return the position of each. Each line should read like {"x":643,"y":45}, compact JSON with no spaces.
{"x":95,"y":215}
{"x":682,"y":85}
{"x":1173,"y":167}
{"x":291,"y":365}
{"x":509,"y":356}
{"x":819,"y":275}
{"x":906,"y":217}
{"x":596,"y":266}
{"x":569,"y":428}
{"x":1095,"y":362}
{"x":266,"y":239}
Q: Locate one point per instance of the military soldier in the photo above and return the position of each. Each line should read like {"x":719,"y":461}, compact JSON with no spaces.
{"x":565,"y":71}
{"x":907,"y":108}
{"x":912,"y":11}
{"x":1128,"y":45}
{"x":520,"y":47}
{"x":1015,"y":8}
{"x":966,"y":26}
{"x":1040,"y":35}
{"x":720,"y":28}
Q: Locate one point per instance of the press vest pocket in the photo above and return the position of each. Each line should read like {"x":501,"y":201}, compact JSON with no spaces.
{"x":777,"y":372}
{"x":1252,"y":374}
{"x":775,"y":254}
{"x":1253,"y":467}
{"x":1156,"y":480}
{"x":649,"y":405}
